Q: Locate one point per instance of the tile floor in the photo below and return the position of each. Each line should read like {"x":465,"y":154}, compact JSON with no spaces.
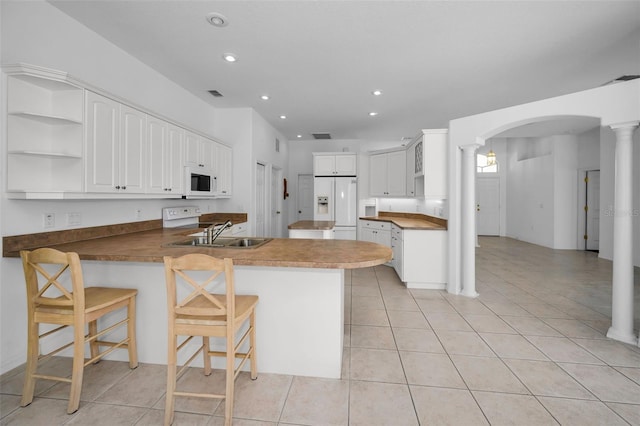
{"x":530,"y":350}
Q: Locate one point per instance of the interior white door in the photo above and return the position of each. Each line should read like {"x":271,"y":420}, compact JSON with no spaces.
{"x":276,"y":202}
{"x":260,"y":200}
{"x":592,"y":231}
{"x":488,"y":205}
{"x":305,"y":197}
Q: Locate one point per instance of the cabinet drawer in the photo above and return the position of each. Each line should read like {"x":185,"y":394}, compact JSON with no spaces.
{"x":373,"y":224}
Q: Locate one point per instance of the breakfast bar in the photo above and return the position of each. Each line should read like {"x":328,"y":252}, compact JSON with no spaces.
{"x":300,"y":283}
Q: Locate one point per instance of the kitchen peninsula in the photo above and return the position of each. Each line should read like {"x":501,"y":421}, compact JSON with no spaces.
{"x":300,"y":282}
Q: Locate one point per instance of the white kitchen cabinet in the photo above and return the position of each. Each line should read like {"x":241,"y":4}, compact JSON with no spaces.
{"x":375,"y":232}
{"x":387,"y":173}
{"x":165,"y":153}
{"x":223,"y":169}
{"x":198,"y":151}
{"x":430,"y":149}
{"x":410,"y":171}
{"x":420,"y":258}
{"x":133,"y":149}
{"x":67,"y":139}
{"x":397,"y":247}
{"x":115,"y":154}
{"x":44,"y":135}
{"x":335,"y":164}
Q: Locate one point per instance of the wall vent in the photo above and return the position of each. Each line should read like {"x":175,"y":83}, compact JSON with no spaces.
{"x":321,"y":135}
{"x":215,"y":93}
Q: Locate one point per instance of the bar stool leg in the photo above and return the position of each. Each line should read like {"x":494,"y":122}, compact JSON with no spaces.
{"x":131,"y":333}
{"x":33,"y":352}
{"x":78,"y":368}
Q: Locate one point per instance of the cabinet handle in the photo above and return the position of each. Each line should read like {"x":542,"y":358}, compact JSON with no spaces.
{"x":169,"y":189}
{"x":117,"y":186}
{"x":124,"y":187}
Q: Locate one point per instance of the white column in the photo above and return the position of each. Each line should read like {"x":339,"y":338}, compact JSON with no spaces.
{"x":468,"y":222}
{"x":622,"y":301}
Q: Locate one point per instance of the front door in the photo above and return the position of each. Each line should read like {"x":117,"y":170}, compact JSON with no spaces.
{"x":488,"y":205}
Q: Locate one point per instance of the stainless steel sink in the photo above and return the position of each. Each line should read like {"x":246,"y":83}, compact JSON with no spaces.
{"x":222,"y":242}
{"x":248,"y":242}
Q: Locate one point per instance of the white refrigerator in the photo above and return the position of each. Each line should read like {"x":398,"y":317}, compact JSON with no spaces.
{"x":335,"y":198}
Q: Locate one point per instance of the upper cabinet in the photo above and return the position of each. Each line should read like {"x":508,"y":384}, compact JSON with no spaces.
{"x":115,"y":146}
{"x":223,"y":169}
{"x":410,"y":174}
{"x":419,"y":170}
{"x":430,"y":171}
{"x":387,"y":174}
{"x":335,"y":164}
{"x":199,"y":151}
{"x":165,"y":154}
{"x":44,"y":135}
{"x":66,"y":139}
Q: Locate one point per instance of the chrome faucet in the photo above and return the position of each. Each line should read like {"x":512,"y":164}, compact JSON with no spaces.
{"x":213,"y":231}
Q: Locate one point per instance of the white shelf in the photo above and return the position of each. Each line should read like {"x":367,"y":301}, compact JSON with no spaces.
{"x":46,"y":118}
{"x":47,"y":154}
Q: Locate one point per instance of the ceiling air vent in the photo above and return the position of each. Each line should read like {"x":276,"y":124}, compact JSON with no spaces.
{"x":215,"y":93}
{"x":621,"y":79}
{"x":321,"y":135}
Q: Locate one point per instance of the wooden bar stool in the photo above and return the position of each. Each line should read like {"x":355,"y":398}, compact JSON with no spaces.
{"x":68,"y":303}
{"x":205,"y":314}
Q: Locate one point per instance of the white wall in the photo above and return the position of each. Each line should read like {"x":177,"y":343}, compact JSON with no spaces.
{"x":264,"y":151}
{"x":253,"y":140}
{"x":529,"y":192}
{"x":565,"y":191}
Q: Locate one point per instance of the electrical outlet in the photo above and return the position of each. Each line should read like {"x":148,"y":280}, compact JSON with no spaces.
{"x":49,"y":220}
{"x":74,"y":219}
{"x":138,"y":214}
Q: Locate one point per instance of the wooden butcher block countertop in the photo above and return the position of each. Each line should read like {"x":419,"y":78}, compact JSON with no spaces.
{"x":415,"y":221}
{"x":150,"y":245}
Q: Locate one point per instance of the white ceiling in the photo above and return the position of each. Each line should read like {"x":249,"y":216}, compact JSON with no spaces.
{"x":320,"y":60}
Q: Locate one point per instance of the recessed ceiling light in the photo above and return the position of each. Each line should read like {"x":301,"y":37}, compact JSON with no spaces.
{"x":230,"y":57}
{"x":373,"y":114}
{"x":217,"y":19}
{"x":299,"y":136}
{"x":376,"y":92}
{"x":283,"y":117}
{"x":264,"y":97}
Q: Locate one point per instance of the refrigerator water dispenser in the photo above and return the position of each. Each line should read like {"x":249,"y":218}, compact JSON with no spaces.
{"x":323,"y":204}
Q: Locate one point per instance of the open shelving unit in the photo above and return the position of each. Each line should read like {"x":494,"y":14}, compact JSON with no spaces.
{"x":44,"y":134}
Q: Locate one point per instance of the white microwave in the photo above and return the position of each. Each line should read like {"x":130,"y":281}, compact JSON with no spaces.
{"x":200,"y":183}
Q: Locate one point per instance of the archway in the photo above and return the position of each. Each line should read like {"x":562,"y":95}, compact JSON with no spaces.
{"x":615,"y":106}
